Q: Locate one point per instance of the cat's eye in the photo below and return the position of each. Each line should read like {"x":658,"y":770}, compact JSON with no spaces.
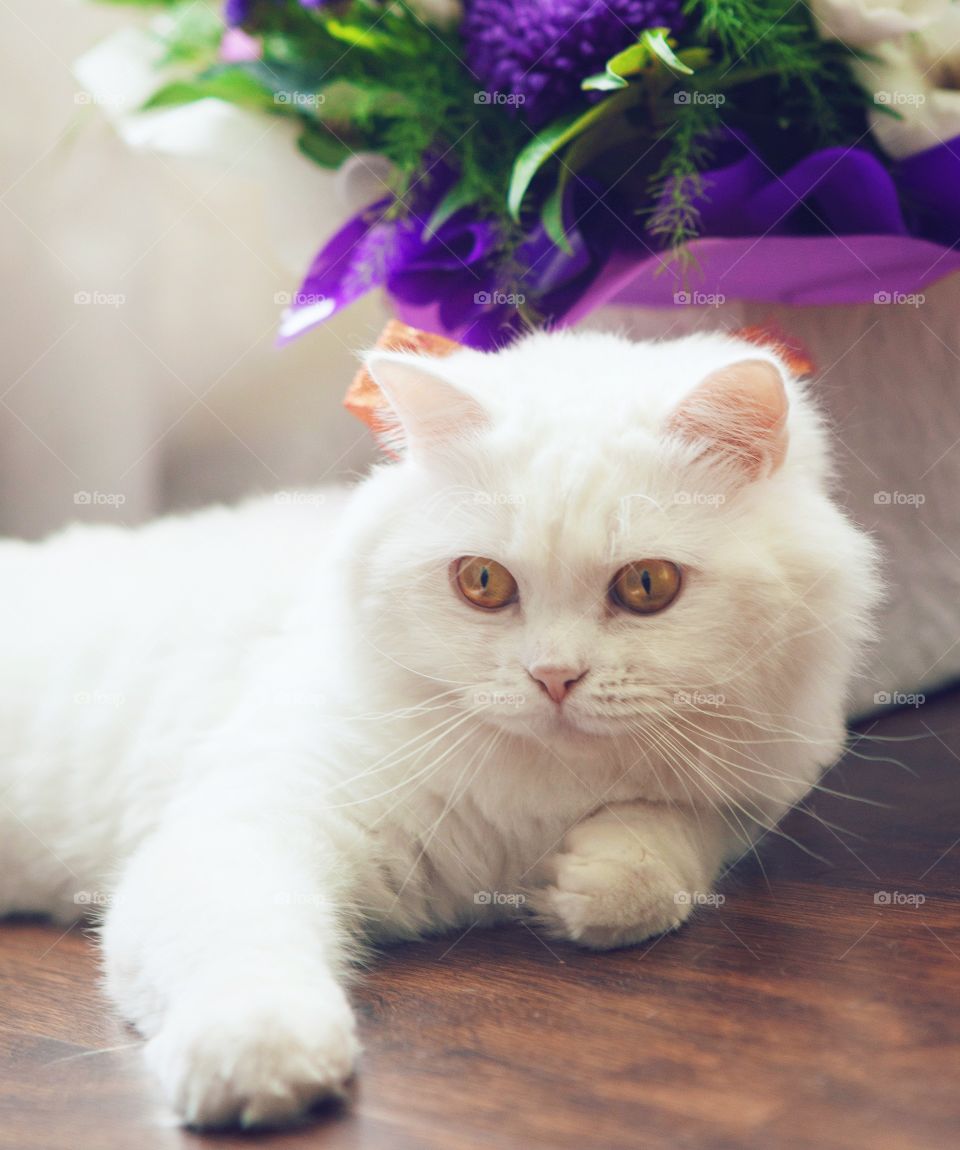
{"x":485,"y":582}
{"x":646,"y":586}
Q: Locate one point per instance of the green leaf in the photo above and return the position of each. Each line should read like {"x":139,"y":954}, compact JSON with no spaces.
{"x":554,"y":137}
{"x":552,"y":215}
{"x":345,"y":101}
{"x":532,"y":158}
{"x":652,"y":45}
{"x":626,"y":63}
{"x":580,"y":155}
{"x":656,"y":40}
{"x":323,"y":148}
{"x":235,"y":85}
{"x":459,"y":196}
{"x":602,"y":82}
{"x":193,"y":35}
{"x":631,"y":60}
{"x":357,"y":37}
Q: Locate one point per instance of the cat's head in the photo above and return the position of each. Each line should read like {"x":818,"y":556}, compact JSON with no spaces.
{"x":584,"y":534}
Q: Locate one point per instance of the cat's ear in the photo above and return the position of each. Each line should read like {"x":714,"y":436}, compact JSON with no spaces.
{"x":403,"y":394}
{"x":424,"y":408}
{"x":739,"y":414}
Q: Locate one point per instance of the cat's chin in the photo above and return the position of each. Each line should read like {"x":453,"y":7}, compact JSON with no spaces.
{"x":556,"y":724}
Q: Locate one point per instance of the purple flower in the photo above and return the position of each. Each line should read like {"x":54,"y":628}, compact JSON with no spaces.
{"x":538,"y":51}
{"x":449,"y":280}
{"x":237,"y":12}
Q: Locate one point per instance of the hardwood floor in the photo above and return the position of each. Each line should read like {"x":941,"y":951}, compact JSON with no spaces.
{"x":802,"y":1012}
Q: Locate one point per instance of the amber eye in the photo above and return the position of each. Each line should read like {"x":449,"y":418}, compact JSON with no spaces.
{"x":646,"y":586}
{"x":484,"y":582}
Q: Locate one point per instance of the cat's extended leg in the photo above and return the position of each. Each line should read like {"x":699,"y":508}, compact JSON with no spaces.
{"x":630,"y":871}
{"x":225,"y":945}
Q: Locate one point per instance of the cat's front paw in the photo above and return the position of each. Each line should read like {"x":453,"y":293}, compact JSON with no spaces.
{"x":255,"y":1056}
{"x":605,"y":888}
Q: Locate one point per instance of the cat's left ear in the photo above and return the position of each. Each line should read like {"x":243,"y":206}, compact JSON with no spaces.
{"x":402,"y":394}
{"x":737,"y":414}
{"x":424,"y":408}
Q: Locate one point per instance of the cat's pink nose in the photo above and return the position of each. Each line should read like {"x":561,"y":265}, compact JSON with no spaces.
{"x":558,"y":682}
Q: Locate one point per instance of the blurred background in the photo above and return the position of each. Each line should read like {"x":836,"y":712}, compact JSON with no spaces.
{"x":141,"y":298}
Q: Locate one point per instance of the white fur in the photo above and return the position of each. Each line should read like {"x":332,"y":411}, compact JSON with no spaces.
{"x":258,"y":736}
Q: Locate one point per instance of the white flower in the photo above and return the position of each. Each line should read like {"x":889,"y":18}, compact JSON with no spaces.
{"x":861,"y":23}
{"x":909,"y":62}
{"x":306,"y":203}
{"x":918,"y":78}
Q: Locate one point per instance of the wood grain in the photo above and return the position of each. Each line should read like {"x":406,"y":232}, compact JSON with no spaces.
{"x":800,"y":1013}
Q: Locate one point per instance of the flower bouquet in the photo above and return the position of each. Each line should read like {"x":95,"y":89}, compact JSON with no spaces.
{"x":530,"y":160}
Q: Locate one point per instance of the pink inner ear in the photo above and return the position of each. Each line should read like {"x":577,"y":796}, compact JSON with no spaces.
{"x":366,"y":401}
{"x":738,"y":413}
{"x":427,"y":409}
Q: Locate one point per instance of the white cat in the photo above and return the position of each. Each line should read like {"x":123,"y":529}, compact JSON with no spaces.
{"x":569,"y":655}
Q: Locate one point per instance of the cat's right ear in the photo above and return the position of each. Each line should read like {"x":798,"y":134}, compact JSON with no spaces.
{"x":424,"y":408}
{"x":737,"y":415}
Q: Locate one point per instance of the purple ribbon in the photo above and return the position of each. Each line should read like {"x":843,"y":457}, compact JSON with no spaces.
{"x":448,"y":279}
{"x":449,"y":265}
{"x":837,"y":227}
